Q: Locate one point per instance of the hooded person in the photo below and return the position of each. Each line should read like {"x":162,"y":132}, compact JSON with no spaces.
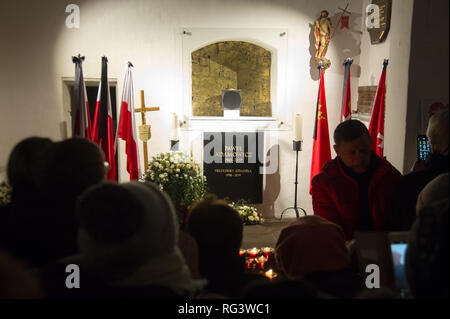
{"x":128,"y":243}
{"x":313,"y":249}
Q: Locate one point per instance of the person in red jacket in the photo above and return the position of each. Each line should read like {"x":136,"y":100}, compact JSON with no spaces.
{"x":354,"y":189}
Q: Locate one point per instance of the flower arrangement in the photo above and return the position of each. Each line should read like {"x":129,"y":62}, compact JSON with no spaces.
{"x":179,"y":176}
{"x":5,"y":193}
{"x":248,"y":213}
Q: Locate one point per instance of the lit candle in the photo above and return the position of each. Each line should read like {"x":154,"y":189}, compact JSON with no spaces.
{"x":175,"y":128}
{"x":248,"y":262}
{"x":262,"y":261}
{"x":267,"y":251}
{"x":298,"y":127}
{"x":270,"y":274}
{"x":253,"y":252}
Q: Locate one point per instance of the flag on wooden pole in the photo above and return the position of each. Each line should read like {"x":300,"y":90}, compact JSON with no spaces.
{"x":321,"y":146}
{"x":81,"y":120}
{"x":102,"y":131}
{"x":346,"y":111}
{"x":376,"y":128}
{"x":127,"y":126}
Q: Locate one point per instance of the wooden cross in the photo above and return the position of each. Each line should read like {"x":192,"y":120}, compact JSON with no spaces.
{"x":145,"y":130}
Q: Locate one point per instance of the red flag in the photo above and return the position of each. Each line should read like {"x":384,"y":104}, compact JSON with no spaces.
{"x":321,"y":147}
{"x":344,"y":22}
{"x":127,"y":126}
{"x":346,"y":96}
{"x":376,"y":128}
{"x":102,"y":131}
{"x":81,"y":120}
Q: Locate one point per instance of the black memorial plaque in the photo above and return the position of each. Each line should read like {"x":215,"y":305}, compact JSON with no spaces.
{"x":231,"y":164}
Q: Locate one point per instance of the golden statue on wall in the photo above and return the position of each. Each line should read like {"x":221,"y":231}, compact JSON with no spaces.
{"x":322,"y":34}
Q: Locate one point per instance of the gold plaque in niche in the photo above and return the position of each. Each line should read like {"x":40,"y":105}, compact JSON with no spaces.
{"x":231,"y":65}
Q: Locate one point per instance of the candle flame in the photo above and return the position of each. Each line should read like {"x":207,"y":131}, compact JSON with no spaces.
{"x":270,"y":274}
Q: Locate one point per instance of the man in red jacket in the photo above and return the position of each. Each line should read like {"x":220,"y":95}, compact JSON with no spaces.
{"x":354,"y":189}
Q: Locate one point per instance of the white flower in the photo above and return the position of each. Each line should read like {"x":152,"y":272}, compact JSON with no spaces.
{"x":250,"y":218}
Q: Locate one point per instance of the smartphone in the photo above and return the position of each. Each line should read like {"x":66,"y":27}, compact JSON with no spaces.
{"x":423,"y":148}
{"x":398,"y":251}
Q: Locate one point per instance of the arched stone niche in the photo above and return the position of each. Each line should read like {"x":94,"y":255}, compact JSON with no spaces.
{"x":231,"y":65}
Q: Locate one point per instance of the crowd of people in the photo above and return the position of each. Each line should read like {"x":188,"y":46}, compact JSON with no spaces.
{"x":125,"y":240}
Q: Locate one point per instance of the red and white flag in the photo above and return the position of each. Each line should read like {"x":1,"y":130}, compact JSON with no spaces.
{"x":127,"y":126}
{"x":102,"y":131}
{"x":376,"y":128}
{"x":81,"y":120}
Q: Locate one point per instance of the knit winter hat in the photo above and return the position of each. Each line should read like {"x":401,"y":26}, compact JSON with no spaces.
{"x":433,"y":192}
{"x":311,"y":244}
{"x":123,"y":226}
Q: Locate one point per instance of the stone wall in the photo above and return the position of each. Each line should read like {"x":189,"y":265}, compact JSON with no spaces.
{"x":231,"y":65}
{"x":207,"y":85}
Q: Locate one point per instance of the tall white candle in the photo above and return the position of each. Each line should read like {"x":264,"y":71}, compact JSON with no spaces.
{"x":175,"y":128}
{"x":298,"y":127}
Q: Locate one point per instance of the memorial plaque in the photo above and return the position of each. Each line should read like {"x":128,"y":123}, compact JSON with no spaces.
{"x":378,"y":35}
{"x":231,"y":165}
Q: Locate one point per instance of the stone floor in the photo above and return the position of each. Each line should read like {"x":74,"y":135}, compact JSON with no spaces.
{"x":265,"y":234}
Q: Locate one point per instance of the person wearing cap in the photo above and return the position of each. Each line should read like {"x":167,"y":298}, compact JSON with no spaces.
{"x":128,"y":246}
{"x":313,"y":249}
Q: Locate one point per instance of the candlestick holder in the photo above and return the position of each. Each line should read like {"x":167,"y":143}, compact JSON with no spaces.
{"x":174,"y":145}
{"x":296,"y":146}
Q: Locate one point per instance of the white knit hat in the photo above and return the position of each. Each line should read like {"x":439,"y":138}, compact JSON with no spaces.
{"x":140,"y":253}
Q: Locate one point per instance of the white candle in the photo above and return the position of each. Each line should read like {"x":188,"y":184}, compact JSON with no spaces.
{"x":298,"y":127}
{"x":175,"y":128}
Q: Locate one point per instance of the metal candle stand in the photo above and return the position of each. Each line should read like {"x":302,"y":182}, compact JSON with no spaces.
{"x":297,"y":146}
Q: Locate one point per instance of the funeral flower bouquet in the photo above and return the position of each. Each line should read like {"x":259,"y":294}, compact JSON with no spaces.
{"x":179,"y":176}
{"x":248,"y":213}
{"x":5,"y":193}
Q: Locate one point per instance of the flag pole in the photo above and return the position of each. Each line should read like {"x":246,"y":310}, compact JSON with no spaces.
{"x":320,"y":67}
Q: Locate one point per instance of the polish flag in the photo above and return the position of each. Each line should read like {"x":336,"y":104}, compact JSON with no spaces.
{"x":102,"y":131}
{"x":127,"y":126}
